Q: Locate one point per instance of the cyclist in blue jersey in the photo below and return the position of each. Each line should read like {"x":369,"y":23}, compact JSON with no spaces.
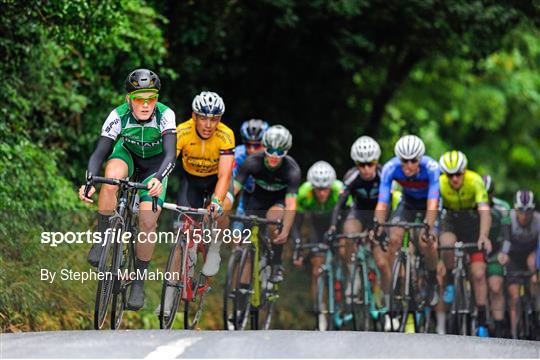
{"x":252,"y":132}
{"x":418,"y":176}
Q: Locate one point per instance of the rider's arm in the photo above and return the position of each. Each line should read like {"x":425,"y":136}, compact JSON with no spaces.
{"x":434,"y":174}
{"x":103,"y":149}
{"x":169,"y":152}
{"x":242,"y":175}
{"x":290,"y":212}
{"x":295,"y":231}
{"x":485,"y":219}
{"x":226,"y":162}
{"x":383,"y":204}
{"x":342,"y":200}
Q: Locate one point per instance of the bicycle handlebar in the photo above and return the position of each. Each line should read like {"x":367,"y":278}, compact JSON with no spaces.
{"x":186,"y":209}
{"x":459,"y":245}
{"x":119,"y":182}
{"x":256,"y":220}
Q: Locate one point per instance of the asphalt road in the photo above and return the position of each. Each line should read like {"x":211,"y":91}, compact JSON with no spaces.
{"x":161,"y":344}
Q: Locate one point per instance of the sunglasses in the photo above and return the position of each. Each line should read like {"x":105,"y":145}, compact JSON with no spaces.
{"x":254,"y":145}
{"x":141,"y":100}
{"x":450,"y":176}
{"x":407,"y":161}
{"x":365,"y":164}
{"x":275,"y":152}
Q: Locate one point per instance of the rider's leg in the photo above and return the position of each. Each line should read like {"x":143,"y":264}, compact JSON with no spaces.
{"x":276,"y":212}
{"x":496,"y":294}
{"x":531,"y":265}
{"x":478,"y":274}
{"x":429,"y":250}
{"x":116,"y":169}
{"x":351,"y":225}
{"x":146,"y":242}
{"x":213,"y":258}
{"x":448,"y":239}
{"x":316,"y":263}
{"x":513,"y":293}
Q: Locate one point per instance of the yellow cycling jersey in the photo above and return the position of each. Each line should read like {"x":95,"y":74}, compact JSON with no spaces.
{"x":200,"y":157}
{"x":471,"y":193}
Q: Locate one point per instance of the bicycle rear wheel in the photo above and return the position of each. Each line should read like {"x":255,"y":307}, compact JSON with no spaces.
{"x":107,"y":267}
{"x":173,"y":268}
{"x":358,"y":299}
{"x":193,"y":308}
{"x":229,"y":291}
{"x":399,"y":301}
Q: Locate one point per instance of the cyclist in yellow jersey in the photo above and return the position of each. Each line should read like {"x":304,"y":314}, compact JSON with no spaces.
{"x":467,"y":218}
{"x":207,"y":149}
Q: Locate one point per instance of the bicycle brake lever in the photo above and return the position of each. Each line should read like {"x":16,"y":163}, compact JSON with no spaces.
{"x":154,"y":204}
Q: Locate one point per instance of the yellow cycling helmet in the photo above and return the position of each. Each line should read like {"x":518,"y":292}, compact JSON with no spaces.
{"x":453,"y":162}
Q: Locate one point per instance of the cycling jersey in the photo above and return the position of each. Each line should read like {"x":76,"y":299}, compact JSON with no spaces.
{"x":364,"y":193}
{"x":271,"y":184}
{"x":423,"y":185}
{"x":143,"y":138}
{"x":307,"y":200}
{"x":240,"y":155}
{"x":200,"y":157}
{"x":523,"y":238}
{"x":471,"y":193}
{"x":498,"y":234}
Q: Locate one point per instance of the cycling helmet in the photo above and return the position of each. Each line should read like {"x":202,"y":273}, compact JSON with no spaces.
{"x":142,"y":79}
{"x":410,"y":147}
{"x":365,"y":149}
{"x":321,"y":175}
{"x":524,"y":200}
{"x":488,"y":183}
{"x":253,"y":130}
{"x":208,"y":103}
{"x":277,"y":137}
{"x":453,"y":162}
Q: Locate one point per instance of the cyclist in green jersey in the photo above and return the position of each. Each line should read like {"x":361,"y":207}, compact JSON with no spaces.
{"x":141,"y":133}
{"x":501,"y":228}
{"x":315,"y":202}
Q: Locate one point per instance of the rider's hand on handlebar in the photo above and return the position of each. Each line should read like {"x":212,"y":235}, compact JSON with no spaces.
{"x":429,"y":237}
{"x":298,"y":261}
{"x":331,"y":231}
{"x":502,"y":258}
{"x":281,"y":237}
{"x":155,"y":187}
{"x":216,"y":208}
{"x":484,"y":243}
{"x":90,"y":193}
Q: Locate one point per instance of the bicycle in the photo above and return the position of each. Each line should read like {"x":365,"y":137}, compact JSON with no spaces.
{"x":249,"y":294}
{"x":117,"y":256}
{"x":460,"y":321}
{"x":365,"y":307}
{"x":189,"y":284}
{"x":409,"y":279}
{"x":528,"y":319}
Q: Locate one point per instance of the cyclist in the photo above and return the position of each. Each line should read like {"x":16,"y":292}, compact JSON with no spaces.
{"x":142,"y":136}
{"x":252,"y":132}
{"x":418,"y":176}
{"x":277,"y":177}
{"x":519,"y":254}
{"x":467,"y":218}
{"x":501,"y":226}
{"x":316,"y":199}
{"x":362,"y":182}
{"x":207,"y":148}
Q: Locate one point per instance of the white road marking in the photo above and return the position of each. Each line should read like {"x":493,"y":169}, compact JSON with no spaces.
{"x":173,"y":349}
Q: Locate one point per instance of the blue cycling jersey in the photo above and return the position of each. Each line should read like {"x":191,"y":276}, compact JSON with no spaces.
{"x":423,"y":185}
{"x":240,"y":155}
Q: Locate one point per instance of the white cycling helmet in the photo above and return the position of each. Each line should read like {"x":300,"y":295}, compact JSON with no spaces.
{"x":277,"y":137}
{"x":208,"y":103}
{"x":453,"y":162}
{"x":410,"y":147}
{"x":321,"y":175}
{"x":365,"y":149}
{"x":524,"y":200}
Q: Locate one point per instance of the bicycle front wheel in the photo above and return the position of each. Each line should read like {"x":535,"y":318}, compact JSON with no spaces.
{"x":108,"y":270}
{"x":358,"y":299}
{"x":230,"y":291}
{"x":399,"y":299}
{"x":167,"y":316}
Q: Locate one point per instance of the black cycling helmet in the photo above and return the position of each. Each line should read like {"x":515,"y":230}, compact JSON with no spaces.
{"x":142,"y":79}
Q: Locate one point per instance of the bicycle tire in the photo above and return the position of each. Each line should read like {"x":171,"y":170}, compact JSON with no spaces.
{"x":121,"y":286}
{"x":229,"y":290}
{"x":166,"y":322}
{"x":193,"y":308}
{"x":107,"y":264}
{"x":323,"y":292}
{"x":399,"y":306}
{"x":358,"y":300}
{"x":265,"y":312}
{"x":243,"y":311}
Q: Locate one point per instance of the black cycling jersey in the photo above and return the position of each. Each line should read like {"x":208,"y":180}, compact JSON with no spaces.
{"x":270,"y":184}
{"x":364,"y":192}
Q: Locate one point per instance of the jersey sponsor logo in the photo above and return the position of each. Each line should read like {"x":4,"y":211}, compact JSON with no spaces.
{"x":142,"y":143}
{"x":270,"y":187}
{"x":413,"y":184}
{"x":111,"y":124}
{"x":432,"y":165}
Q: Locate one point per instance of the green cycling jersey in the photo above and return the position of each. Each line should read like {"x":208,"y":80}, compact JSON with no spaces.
{"x":307,"y":200}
